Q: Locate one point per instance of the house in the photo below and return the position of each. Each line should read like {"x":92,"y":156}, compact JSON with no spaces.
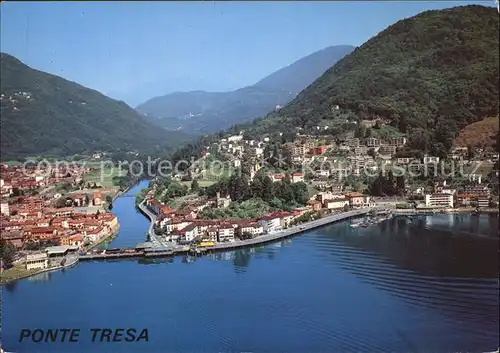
{"x":361,"y":150}
{"x":154,"y":206}
{"x":439,"y":200}
{"x":37,"y":261}
{"x":210,"y":234}
{"x":355,"y":199}
{"x":387,"y":150}
{"x":404,"y":160}
{"x":297,"y":177}
{"x":317,"y":150}
{"x":322,"y":173}
{"x":4,"y":208}
{"x":79,"y":199}
{"x":352,"y":142}
{"x":339,"y":203}
{"x":92,"y":235}
{"x":253,"y":228}
{"x":372,"y":142}
{"x":431,"y":159}
{"x":189,"y":233}
{"x":270,"y":223}
{"x":255,"y":152}
{"x":397,"y":141}
{"x":478,"y":190}
{"x":285,"y":218}
{"x":13,"y":237}
{"x":223,"y":202}
{"x":97,"y":198}
{"x":73,"y":240}
{"x":226,"y":232}
{"x":483,"y":201}
{"x":176,"y":225}
{"x":314,"y":204}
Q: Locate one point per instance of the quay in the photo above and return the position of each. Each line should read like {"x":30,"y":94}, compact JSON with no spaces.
{"x":160,"y":249}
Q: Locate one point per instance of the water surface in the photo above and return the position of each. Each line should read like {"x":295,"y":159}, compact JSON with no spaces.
{"x":408,"y":285}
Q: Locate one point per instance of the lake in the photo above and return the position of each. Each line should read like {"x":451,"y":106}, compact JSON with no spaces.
{"x":427,"y":283}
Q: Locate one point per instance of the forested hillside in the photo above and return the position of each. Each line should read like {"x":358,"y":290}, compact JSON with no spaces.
{"x":430,"y":75}
{"x":46,"y":114}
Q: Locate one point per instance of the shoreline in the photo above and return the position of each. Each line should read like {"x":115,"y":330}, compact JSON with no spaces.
{"x":263,"y":239}
{"x":51,"y":269}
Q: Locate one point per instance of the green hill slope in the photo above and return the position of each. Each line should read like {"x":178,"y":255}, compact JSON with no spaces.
{"x":431,"y":75}
{"x":43,"y":113}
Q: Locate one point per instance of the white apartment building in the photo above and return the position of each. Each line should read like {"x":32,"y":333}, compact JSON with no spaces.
{"x":270,"y":223}
{"x":4,"y":208}
{"x":226,"y":233}
{"x":439,"y":200}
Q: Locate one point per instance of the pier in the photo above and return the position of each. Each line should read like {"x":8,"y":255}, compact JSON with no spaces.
{"x":160,"y":249}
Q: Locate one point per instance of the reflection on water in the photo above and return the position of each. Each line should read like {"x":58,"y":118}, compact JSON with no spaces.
{"x":41,"y":277}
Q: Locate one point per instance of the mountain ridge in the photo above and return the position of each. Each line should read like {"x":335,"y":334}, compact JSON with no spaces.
{"x":45,"y":113}
{"x":220,"y":110}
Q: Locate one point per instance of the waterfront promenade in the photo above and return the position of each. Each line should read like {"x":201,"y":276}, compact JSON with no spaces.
{"x":154,"y":239}
{"x":174,"y":249}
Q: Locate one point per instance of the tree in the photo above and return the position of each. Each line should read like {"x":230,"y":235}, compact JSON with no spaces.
{"x":195,"y":186}
{"x":7,"y":252}
{"x":368,"y":132}
{"x":470,"y":152}
{"x":400,"y":184}
{"x":300,"y":192}
{"x":371,"y":152}
{"x":246,"y":235}
{"x":16,"y":192}
{"x":60,"y":202}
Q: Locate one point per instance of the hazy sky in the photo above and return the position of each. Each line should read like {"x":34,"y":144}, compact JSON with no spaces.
{"x":136,"y":50}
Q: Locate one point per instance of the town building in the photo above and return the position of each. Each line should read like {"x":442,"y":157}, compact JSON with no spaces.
{"x":397,"y":141}
{"x":439,"y":200}
{"x":356,"y":199}
{"x":372,"y":142}
{"x":4,"y":208}
{"x":38,"y":261}
{"x":97,"y":198}
{"x":297,"y":177}
{"x":226,"y":232}
{"x":338,"y":203}
{"x":270,"y":223}
{"x":431,"y":160}
{"x":387,"y":150}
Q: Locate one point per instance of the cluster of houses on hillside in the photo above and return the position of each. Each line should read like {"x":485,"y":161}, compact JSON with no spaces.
{"x":332,"y":160}
{"x":31,"y":176}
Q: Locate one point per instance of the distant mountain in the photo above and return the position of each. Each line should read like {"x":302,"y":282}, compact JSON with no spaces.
{"x":205,"y":112}
{"x":431,"y":75}
{"x":46,"y":114}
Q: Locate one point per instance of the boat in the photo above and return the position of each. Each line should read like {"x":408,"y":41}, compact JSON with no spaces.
{"x":355,"y":225}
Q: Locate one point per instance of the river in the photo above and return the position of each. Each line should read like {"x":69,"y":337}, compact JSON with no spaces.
{"x":429,"y":283}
